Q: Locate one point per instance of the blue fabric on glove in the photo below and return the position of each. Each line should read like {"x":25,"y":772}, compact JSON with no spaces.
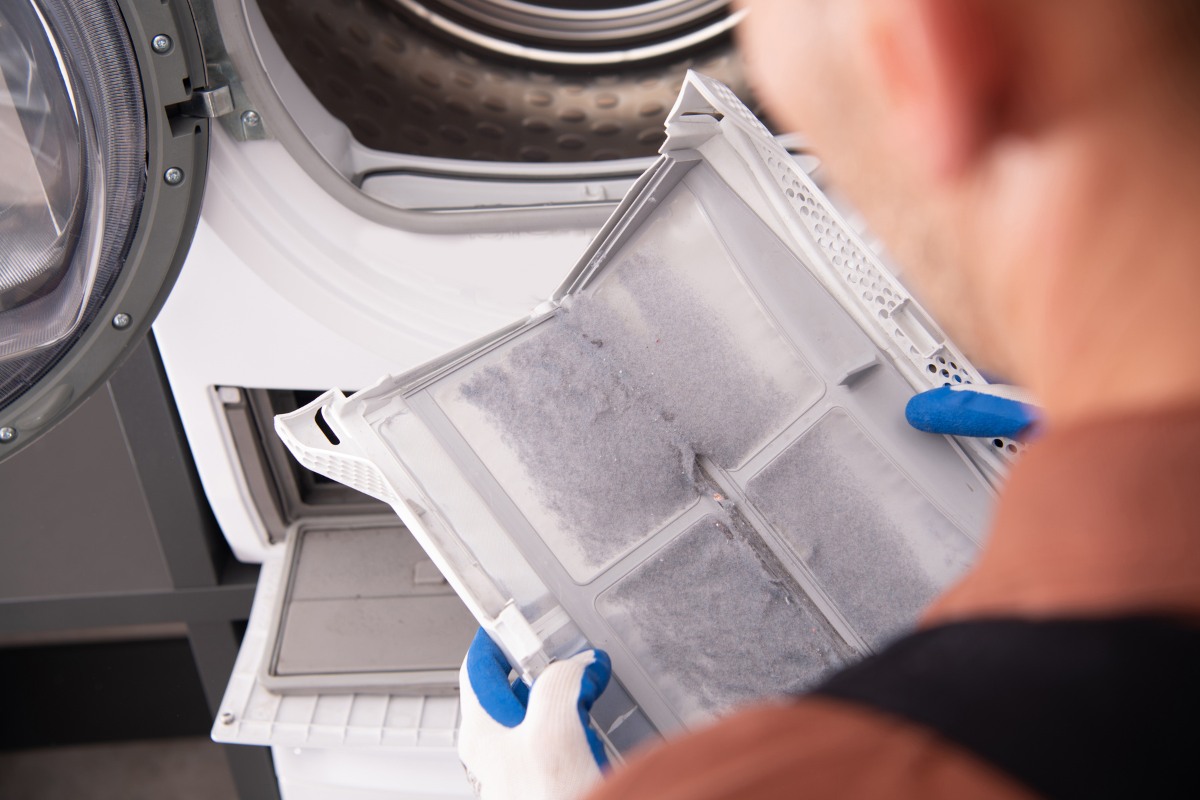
{"x":965,"y":411}
{"x":488,"y":669}
{"x":595,"y":679}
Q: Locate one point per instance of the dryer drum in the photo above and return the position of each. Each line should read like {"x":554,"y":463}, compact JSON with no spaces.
{"x":404,"y":84}
{"x":595,"y":31}
{"x":72,"y":175}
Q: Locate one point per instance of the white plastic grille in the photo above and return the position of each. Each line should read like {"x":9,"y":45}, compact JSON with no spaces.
{"x":735,"y":105}
{"x":879,"y":293}
{"x":355,"y":473}
{"x":876,"y":291}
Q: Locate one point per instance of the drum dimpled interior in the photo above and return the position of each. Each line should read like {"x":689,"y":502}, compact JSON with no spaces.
{"x":404,"y":88}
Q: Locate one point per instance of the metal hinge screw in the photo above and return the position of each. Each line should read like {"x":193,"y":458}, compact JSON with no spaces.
{"x":226,"y":718}
{"x":7,"y":434}
{"x":121,"y":321}
{"x":161,"y":43}
{"x":250,"y":119}
{"x":173,"y":176}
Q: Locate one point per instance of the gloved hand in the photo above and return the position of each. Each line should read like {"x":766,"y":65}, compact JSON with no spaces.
{"x":530,"y":744}
{"x":985,"y":410}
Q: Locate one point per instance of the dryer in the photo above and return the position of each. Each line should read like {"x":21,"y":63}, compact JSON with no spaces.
{"x":296,"y":195}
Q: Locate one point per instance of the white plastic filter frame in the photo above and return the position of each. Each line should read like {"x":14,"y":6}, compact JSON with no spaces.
{"x":446,"y":512}
{"x":356,"y":460}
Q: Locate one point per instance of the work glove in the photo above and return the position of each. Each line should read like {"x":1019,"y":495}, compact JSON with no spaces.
{"x":985,"y":410}
{"x":530,"y":744}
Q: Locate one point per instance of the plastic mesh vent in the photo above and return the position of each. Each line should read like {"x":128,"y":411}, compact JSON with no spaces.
{"x":738,"y":107}
{"x":355,"y":473}
{"x":871,"y":287}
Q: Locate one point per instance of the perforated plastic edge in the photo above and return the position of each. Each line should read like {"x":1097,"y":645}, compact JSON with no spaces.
{"x":349,"y":468}
{"x":846,"y":264}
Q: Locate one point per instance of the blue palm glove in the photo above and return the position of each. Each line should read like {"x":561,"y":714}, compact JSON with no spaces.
{"x":530,"y":744}
{"x":984,"y":410}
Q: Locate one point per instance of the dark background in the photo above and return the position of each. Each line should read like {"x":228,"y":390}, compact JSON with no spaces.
{"x":121,"y":606}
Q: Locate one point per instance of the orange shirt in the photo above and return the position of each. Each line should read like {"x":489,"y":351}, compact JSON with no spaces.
{"x":1099,"y":520}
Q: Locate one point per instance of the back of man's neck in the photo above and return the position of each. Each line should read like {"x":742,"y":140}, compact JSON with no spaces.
{"x":1119,"y":332}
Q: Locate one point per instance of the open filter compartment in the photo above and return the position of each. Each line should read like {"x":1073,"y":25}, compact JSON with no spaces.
{"x":363,"y":608}
{"x":694,"y":455}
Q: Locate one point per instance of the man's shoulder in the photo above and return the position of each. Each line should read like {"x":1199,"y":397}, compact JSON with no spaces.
{"x":815,"y":748}
{"x":1099,"y":519}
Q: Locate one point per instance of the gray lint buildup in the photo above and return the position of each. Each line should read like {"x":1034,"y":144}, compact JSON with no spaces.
{"x":607,"y":415}
{"x":717,"y":622}
{"x":877,"y":546}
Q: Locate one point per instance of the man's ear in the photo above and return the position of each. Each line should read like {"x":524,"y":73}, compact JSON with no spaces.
{"x":939,"y":67}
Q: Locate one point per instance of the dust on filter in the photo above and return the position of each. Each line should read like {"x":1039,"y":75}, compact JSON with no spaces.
{"x":607,"y":407}
{"x":717,"y":622}
{"x":873,"y":542}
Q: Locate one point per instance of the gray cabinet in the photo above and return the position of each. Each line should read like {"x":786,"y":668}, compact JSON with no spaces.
{"x":106,"y":536}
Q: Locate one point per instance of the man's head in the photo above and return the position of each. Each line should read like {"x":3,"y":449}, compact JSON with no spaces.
{"x":1010,"y":152}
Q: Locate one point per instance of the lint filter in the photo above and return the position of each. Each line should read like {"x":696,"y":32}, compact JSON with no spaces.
{"x":694,"y":454}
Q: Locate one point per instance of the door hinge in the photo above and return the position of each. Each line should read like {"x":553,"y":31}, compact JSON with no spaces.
{"x":210,"y":103}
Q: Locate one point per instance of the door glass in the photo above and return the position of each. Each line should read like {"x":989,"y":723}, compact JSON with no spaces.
{"x":49,"y":220}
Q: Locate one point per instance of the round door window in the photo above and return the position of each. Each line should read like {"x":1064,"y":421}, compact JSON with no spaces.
{"x":99,"y":192}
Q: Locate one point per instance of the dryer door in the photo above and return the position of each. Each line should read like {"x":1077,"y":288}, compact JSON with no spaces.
{"x":103,"y":155}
